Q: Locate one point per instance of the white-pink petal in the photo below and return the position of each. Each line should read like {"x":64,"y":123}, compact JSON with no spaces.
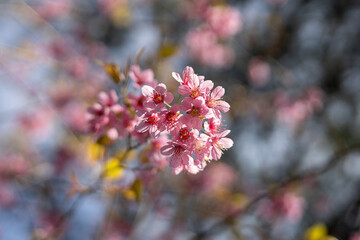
{"x":217,"y":93}
{"x":147,"y":91}
{"x":177,"y":77}
{"x":225,"y":143}
{"x":223,"y":106}
{"x":169,"y":97}
{"x":161,"y":88}
{"x":184,"y":90}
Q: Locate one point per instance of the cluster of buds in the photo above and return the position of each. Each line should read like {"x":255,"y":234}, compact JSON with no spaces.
{"x":188,"y":133}
{"x":194,"y":124}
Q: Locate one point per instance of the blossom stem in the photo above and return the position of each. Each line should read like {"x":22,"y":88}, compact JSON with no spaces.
{"x":177,"y":101}
{"x":167,"y":104}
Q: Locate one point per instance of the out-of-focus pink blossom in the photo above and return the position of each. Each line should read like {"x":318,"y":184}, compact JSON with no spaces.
{"x":295,"y":111}
{"x":52,"y":9}
{"x":142,"y":77}
{"x":196,"y":8}
{"x":258,"y":72}
{"x":224,"y":21}
{"x":7,"y":196}
{"x":37,"y":122}
{"x":13,"y":165}
{"x":103,"y":119}
{"x":355,"y":236}
{"x":284,"y":204}
{"x":203,"y":46}
{"x":77,"y":66}
{"x":154,"y":153}
{"x":219,"y":176}
{"x":107,"y":6}
{"x":75,"y":116}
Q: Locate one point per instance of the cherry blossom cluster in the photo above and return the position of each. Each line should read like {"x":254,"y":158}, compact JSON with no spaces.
{"x":187,"y":133}
{"x":194,"y":123}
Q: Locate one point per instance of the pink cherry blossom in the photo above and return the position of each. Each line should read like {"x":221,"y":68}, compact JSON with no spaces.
{"x":170,"y":119}
{"x":219,"y":143}
{"x":200,"y":148}
{"x":195,"y":87}
{"x":179,"y":158}
{"x":213,"y":126}
{"x":196,"y":111}
{"x":149,"y":122}
{"x":215,"y":103}
{"x":185,"y":136}
{"x":186,"y":74}
{"x":156,"y":98}
{"x":142,"y":77}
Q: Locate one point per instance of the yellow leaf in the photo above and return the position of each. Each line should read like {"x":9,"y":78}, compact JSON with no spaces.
{"x":113,"y":170}
{"x":121,"y":15}
{"x":95,"y":151}
{"x":134,"y":192}
{"x":167,"y":50}
{"x":316,"y":232}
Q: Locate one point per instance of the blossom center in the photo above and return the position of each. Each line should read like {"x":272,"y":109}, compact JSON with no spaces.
{"x":171,"y":117}
{"x":195,"y":93}
{"x":158,"y":98}
{"x":153,"y":119}
{"x":184,"y":134}
{"x":194,"y":111}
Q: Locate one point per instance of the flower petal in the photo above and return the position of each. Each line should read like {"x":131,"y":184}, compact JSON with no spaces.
{"x":217,"y":93}
{"x":147,"y":91}
{"x":169,"y":97}
{"x":184,"y":90}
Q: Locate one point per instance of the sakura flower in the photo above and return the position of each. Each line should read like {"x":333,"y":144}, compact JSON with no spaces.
{"x":185,"y":136}
{"x":195,"y":87}
{"x":170,"y":119}
{"x":149,"y":122}
{"x":186,"y":74}
{"x":200,"y":148}
{"x":156,"y":98}
{"x":213,"y":126}
{"x":218,"y":143}
{"x":196,"y":110}
{"x":215,"y":103}
{"x":179,"y":158}
{"x":142,"y":77}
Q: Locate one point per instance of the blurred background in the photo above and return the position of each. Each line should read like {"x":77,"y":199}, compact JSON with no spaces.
{"x":291,"y":70}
